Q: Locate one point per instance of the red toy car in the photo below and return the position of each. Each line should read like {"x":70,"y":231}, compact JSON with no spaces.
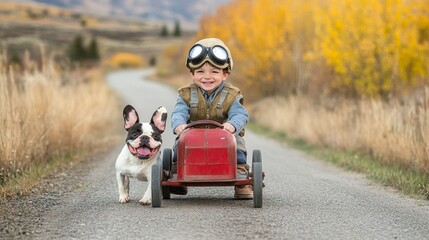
{"x":206,"y":156}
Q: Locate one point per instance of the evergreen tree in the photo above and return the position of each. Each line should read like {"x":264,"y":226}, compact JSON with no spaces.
{"x":83,"y":22}
{"x":152,"y":61}
{"x":164,"y":31}
{"x":177,"y":30}
{"x":76,"y":51}
{"x":92,"y":53}
{"x":15,"y":60}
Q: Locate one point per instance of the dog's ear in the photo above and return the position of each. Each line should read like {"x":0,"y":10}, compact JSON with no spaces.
{"x":130,"y":116}
{"x":159,"y":118}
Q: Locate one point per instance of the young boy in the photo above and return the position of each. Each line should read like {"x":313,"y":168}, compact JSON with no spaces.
{"x":210,"y":97}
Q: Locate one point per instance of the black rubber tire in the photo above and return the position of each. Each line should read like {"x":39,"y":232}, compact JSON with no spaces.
{"x":156,"y":185}
{"x":257,"y":180}
{"x":167,"y":159}
{"x":256,"y":156}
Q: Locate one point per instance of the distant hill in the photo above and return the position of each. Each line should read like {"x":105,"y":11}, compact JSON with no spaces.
{"x":187,"y":12}
{"x":28,"y":25}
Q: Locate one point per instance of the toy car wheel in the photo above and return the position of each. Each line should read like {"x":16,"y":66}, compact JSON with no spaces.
{"x":257,"y":176}
{"x":257,"y":184}
{"x":256,"y":156}
{"x":166,"y":167}
{"x":156,"y":185}
{"x":167,"y":159}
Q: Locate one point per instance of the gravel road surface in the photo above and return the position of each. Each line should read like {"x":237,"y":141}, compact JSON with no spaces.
{"x":304,"y":198}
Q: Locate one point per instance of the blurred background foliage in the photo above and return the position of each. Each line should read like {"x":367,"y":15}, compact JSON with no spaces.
{"x":126,"y":60}
{"x":348,"y":48}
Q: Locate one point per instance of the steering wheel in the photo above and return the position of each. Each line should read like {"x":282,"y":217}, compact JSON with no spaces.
{"x":203,"y":122}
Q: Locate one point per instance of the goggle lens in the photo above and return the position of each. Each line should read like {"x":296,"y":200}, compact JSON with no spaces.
{"x":220,"y":53}
{"x":195,"y":51}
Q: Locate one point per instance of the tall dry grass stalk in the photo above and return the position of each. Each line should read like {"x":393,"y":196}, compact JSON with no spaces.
{"x":46,"y":112}
{"x":395,"y":133}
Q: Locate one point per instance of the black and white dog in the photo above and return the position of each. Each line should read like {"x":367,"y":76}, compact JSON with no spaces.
{"x":140,"y":151}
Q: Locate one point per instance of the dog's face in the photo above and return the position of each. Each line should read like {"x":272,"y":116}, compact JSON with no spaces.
{"x":144,"y":139}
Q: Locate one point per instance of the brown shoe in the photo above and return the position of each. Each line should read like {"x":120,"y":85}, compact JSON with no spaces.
{"x":243,"y":192}
{"x":242,"y":171}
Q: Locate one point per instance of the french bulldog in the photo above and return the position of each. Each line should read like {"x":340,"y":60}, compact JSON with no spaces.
{"x":140,"y":152}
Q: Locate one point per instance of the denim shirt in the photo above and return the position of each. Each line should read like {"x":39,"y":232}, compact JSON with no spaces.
{"x":237,"y":114}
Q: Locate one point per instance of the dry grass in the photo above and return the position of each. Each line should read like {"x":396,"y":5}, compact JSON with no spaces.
{"x":394,"y":133}
{"x":49,"y":113}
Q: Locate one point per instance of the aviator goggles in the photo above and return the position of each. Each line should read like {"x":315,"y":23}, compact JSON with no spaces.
{"x":217,"y":55}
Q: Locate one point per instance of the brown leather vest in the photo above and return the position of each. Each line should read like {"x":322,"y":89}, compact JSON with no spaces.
{"x":219,"y":107}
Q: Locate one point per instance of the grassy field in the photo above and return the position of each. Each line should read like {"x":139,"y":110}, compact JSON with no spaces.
{"x":386,"y":141}
{"x":44,"y":113}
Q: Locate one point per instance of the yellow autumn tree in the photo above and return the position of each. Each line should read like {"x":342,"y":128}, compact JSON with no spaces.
{"x":282,"y":47}
{"x":372,"y":45}
{"x":259,"y":34}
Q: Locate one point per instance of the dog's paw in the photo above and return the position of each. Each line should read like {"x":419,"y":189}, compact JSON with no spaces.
{"x":124,"y":199}
{"x":145,"y":201}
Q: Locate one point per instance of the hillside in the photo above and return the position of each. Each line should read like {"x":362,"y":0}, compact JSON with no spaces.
{"x":187,"y":12}
{"x":28,"y":26}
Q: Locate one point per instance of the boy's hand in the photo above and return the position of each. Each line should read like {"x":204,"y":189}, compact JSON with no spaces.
{"x":179,"y":129}
{"x":229,"y":127}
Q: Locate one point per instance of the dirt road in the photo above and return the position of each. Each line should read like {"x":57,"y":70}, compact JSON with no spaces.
{"x":304,"y":198}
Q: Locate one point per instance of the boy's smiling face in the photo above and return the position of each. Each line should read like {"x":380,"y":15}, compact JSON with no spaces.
{"x":208,"y":77}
